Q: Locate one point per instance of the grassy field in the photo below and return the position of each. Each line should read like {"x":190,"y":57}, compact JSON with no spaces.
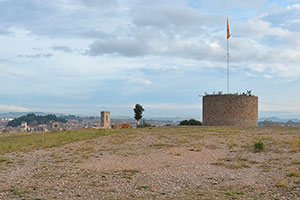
{"x":32,"y":141}
{"x":153,"y":163}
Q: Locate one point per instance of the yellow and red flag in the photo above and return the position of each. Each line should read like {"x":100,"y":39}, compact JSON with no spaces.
{"x":228,"y":32}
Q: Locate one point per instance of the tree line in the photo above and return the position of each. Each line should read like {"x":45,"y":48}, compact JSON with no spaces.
{"x":31,"y":118}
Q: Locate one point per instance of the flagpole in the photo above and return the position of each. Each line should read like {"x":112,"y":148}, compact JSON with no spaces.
{"x":227,"y":55}
{"x":227,"y":66}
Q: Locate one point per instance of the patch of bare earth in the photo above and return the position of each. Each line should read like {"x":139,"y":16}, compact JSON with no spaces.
{"x":160,"y":163}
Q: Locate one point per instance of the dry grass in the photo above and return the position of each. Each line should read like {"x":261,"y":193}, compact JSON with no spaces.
{"x":282,"y":183}
{"x":233,"y":163}
{"x":156,"y":163}
{"x":294,"y":173}
{"x":28,"y":142}
{"x":295,"y":145}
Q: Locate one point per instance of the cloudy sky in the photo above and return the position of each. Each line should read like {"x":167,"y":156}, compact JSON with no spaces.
{"x":83,"y":56}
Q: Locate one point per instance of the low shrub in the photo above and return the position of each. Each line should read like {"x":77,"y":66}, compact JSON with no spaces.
{"x":258,"y":146}
{"x":191,"y":122}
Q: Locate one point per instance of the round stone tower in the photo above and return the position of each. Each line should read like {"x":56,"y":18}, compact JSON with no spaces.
{"x":230,"y":110}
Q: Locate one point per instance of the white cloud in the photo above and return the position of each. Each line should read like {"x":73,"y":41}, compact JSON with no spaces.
{"x":258,"y":67}
{"x":249,"y":74}
{"x":258,"y":29}
{"x":295,"y":6}
{"x":12,"y":108}
{"x":62,"y":48}
{"x":170,"y":17}
{"x":268,"y":76}
{"x":286,"y":17}
{"x":279,"y":107}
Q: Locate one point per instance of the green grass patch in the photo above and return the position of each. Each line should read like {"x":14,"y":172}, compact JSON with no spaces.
{"x":143,"y":187}
{"x":258,"y":146}
{"x":28,"y":142}
{"x":2,"y":159}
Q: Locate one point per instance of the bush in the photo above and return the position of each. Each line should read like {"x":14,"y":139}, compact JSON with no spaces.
{"x":191,"y":122}
{"x":259,"y":146}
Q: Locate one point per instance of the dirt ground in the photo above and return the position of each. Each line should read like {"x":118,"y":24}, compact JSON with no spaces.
{"x":160,"y":163}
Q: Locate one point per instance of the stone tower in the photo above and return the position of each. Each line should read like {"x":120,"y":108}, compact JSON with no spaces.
{"x":230,"y":110}
{"x":105,"y":119}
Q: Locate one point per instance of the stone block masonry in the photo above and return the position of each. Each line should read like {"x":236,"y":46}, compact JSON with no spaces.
{"x":230,"y":110}
{"x":105,"y":119}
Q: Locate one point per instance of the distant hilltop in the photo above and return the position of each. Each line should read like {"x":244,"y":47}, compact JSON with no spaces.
{"x":19,"y":114}
{"x":276,"y":119}
{"x":32,"y":118}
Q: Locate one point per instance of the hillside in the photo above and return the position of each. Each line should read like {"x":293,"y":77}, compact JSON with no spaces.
{"x":152,"y":163}
{"x":19,"y":114}
{"x":30,"y":118}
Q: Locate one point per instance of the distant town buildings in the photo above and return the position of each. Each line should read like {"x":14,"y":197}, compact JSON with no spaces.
{"x":75,"y":122}
{"x":25,"y":127}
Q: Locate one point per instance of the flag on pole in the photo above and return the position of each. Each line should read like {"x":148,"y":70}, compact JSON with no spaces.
{"x":228,"y":32}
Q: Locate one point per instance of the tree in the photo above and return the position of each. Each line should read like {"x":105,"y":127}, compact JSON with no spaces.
{"x":138,"y":112}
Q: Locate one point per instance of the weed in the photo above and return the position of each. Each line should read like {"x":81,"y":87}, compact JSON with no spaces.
{"x":197,"y":149}
{"x":293,"y":173}
{"x":15,"y":192}
{"x":182,"y":140}
{"x":2,"y":159}
{"x":238,"y":166}
{"x":243,"y":159}
{"x":143,"y":187}
{"x":58,"y":160}
{"x":160,"y":145}
{"x":236,"y":163}
{"x":232,"y":144}
{"x":282,"y":183}
{"x":258,"y":146}
{"x":218,"y":163}
{"x":295,"y":145}
{"x":296,"y":162}
{"x":85,"y":147}
{"x":253,"y":162}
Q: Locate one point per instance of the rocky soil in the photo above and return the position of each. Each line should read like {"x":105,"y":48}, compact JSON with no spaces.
{"x":160,"y":163}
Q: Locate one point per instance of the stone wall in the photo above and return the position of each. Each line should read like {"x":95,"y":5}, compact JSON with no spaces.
{"x":230,"y":110}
